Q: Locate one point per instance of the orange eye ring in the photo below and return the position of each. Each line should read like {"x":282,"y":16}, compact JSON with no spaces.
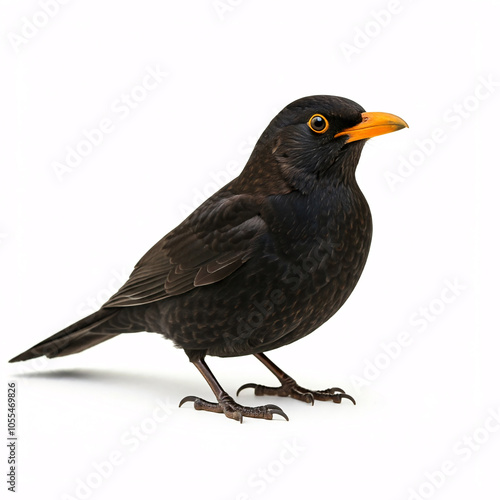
{"x":318,"y":123}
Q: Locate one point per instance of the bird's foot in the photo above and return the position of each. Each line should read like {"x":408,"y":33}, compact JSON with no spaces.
{"x":233,"y":410}
{"x":290,"y":388}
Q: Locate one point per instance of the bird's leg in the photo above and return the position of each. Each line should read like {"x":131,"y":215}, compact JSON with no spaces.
{"x":225,"y":403}
{"x":290,"y":388}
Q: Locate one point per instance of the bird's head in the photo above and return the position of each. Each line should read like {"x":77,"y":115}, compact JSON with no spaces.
{"x":317,"y":137}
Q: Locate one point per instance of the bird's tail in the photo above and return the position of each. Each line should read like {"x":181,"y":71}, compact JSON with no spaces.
{"x":88,"y":332}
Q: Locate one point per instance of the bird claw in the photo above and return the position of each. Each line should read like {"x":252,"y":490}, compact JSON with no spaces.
{"x":234,"y":410}
{"x":246,"y":386}
{"x":273,"y":410}
{"x":201,"y":404}
{"x":309,"y":398}
{"x":186,"y":399}
{"x":338,"y":398}
{"x":290,"y":388}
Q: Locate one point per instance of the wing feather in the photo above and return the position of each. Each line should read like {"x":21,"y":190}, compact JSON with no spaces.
{"x":211,"y":244}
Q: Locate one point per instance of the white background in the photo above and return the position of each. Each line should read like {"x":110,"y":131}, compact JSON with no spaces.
{"x":69,"y":240}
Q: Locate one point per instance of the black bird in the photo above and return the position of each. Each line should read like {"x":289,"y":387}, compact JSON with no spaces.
{"x":265,"y":261}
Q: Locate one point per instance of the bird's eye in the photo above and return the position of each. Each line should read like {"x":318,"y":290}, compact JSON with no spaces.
{"x":318,"y":123}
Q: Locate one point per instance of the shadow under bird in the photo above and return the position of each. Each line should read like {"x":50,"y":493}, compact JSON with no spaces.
{"x":265,"y":261}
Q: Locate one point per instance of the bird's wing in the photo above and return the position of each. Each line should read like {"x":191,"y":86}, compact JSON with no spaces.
{"x":214,"y":241}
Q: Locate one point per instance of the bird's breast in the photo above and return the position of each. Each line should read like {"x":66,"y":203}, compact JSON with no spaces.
{"x":324,"y":233}
{"x":322,"y":244}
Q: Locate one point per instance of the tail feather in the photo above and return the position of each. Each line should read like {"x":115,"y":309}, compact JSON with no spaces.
{"x":87,"y":332}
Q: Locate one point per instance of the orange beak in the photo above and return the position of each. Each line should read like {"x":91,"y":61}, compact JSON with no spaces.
{"x":373,"y":124}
